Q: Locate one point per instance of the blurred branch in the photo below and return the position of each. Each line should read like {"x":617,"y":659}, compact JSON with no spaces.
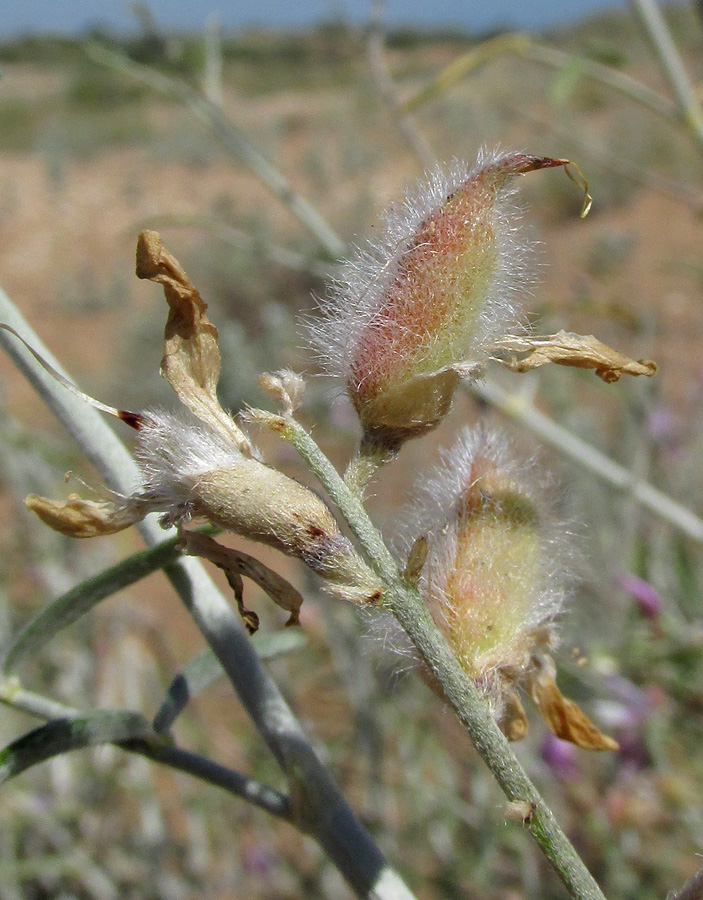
{"x":320,"y":809}
{"x":236,"y":237}
{"x":692,"y":890}
{"x":464,"y":65}
{"x":232,"y":137}
{"x":526,"y":47}
{"x":261,"y":795}
{"x":521,"y":410}
{"x":69,"y":607}
{"x":606,"y":75}
{"x":212,"y":72}
{"x":205,"y":668}
{"x":670,"y":61}
{"x":378,"y":65}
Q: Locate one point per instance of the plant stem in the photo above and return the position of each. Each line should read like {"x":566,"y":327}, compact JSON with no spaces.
{"x":232,"y":137}
{"x":261,"y":795}
{"x":670,"y":60}
{"x":406,"y":604}
{"x":321,"y":810}
{"x":370,"y":456}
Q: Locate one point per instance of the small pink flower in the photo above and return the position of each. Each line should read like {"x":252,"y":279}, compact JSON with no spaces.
{"x":560,"y":756}
{"x":648,"y":600}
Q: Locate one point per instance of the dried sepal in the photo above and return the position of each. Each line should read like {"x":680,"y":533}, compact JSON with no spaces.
{"x":513,"y":720}
{"x":410,"y":408}
{"x":80,"y":518}
{"x":286,"y":387}
{"x":568,"y":349}
{"x":562,"y":716}
{"x":236,"y":564}
{"x":417,"y":557}
{"x":191,"y":360}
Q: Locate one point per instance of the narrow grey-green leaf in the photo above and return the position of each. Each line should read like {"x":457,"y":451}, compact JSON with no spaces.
{"x":68,"y":608}
{"x":62,"y":735}
{"x":202,"y":670}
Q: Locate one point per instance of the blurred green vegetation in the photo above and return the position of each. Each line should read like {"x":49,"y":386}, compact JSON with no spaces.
{"x":101,"y":825}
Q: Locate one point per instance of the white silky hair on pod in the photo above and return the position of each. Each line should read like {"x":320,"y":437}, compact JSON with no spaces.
{"x":173,"y":449}
{"x":435,"y":514}
{"x":356,"y":290}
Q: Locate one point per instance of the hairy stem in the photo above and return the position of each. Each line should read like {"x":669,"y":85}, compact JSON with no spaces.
{"x":406,"y":604}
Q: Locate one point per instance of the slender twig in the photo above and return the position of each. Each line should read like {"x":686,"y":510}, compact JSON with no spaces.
{"x":606,"y":75}
{"x":405,"y":602}
{"x":232,"y":137}
{"x":319,"y":807}
{"x":378,"y":66}
{"x":670,"y":61}
{"x":212,"y":69}
{"x":524,"y":46}
{"x":521,"y":410}
{"x":463,"y":65}
{"x":12,"y":694}
{"x":261,"y":795}
{"x":236,"y":237}
{"x":249,"y":789}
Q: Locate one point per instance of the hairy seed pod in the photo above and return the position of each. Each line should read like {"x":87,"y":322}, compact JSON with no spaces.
{"x":494,"y":581}
{"x":412,"y":314}
{"x":491,"y":580}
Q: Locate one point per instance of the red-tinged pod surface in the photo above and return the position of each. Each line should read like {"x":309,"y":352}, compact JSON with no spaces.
{"x":417,"y":312}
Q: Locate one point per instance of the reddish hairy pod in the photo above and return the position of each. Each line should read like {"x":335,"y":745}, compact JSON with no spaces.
{"x":410,"y":316}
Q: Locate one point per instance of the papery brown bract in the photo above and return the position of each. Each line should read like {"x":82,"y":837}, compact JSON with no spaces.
{"x":201,"y":464}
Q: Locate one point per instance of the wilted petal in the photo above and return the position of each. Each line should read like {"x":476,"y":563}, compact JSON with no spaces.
{"x":563,"y":717}
{"x":84,"y":518}
{"x":577,"y":350}
{"x":513,"y":721}
{"x":236,"y":564}
{"x":410,"y":408}
{"x":191,"y":361}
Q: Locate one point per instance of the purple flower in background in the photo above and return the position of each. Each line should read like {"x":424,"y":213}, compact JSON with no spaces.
{"x":257,"y":860}
{"x":648,"y":600}
{"x":560,"y":756}
{"x":663,"y":426}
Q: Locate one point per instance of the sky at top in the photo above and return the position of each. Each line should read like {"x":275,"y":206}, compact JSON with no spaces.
{"x":76,"y":16}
